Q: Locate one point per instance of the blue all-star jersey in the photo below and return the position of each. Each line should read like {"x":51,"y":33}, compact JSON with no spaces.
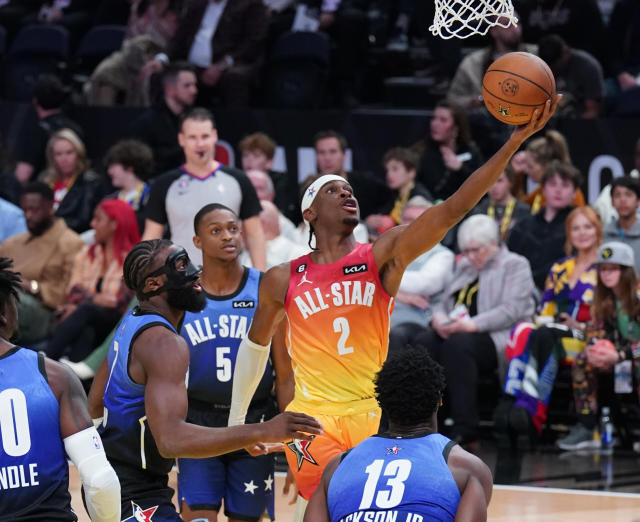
{"x":214,"y":335}
{"x":125,"y":431}
{"x":34,"y":475}
{"x":406,"y":478}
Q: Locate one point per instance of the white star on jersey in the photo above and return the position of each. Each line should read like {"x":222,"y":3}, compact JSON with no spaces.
{"x":268,"y":483}
{"x":250,"y":487}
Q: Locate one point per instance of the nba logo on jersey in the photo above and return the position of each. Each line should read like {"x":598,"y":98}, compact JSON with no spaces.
{"x":141,"y":515}
{"x":96,"y":442}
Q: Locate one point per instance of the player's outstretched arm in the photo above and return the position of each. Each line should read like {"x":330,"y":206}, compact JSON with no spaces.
{"x":318,"y":509}
{"x":475,"y":483}
{"x":163,"y":359}
{"x":401,"y":245}
{"x":253,"y":351}
{"x":281,"y":360}
{"x":83,"y":445}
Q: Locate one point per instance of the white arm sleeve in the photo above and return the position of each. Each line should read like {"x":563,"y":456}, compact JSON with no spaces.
{"x":250,"y":363}
{"x":99,"y":480}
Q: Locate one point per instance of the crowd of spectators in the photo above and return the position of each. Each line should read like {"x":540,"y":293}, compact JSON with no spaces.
{"x":592,"y":47}
{"x":526,"y":255}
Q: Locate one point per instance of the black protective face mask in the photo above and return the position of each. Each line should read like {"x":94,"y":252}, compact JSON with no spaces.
{"x":179,"y":285}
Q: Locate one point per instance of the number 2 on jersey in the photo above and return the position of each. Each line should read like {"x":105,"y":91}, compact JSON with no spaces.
{"x":341,"y":326}
{"x":398,"y":470}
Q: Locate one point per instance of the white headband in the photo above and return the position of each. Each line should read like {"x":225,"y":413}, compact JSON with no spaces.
{"x":313,"y":189}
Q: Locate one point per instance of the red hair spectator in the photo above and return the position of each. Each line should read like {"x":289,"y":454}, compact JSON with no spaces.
{"x":97,"y":296}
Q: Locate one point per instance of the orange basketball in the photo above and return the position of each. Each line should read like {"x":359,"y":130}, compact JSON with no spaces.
{"x":515,"y":85}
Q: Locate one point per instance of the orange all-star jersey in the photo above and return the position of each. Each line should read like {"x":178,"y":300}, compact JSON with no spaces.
{"x":338,"y":332}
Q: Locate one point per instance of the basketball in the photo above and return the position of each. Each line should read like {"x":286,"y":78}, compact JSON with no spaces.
{"x":515,"y":85}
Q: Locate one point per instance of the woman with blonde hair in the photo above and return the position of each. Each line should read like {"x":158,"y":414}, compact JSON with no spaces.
{"x":535,"y":353}
{"x":534,"y":161}
{"x":76,"y":189}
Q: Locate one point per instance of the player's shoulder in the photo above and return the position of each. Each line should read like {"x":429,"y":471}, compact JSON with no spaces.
{"x":59,"y":376}
{"x":462,"y":462}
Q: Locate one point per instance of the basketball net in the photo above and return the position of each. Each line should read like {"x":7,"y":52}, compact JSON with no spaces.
{"x":463,"y":18}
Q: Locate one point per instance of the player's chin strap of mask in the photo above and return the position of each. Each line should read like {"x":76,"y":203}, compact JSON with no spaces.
{"x":176,"y":278}
{"x":99,"y":480}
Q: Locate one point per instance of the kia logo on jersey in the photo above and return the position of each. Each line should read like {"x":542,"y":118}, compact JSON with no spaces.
{"x":354,"y":269}
{"x":243,"y":304}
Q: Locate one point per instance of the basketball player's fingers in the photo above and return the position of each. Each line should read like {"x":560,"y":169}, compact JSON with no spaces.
{"x":257,"y":449}
{"x":273,"y":447}
{"x":306,"y":422}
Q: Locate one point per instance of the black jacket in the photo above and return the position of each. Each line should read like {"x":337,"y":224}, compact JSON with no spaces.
{"x":78,"y":205}
{"x":541,"y":242}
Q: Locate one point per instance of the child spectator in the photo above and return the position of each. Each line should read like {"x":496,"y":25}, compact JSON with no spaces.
{"x":97,"y":296}
{"x":613,"y":338}
{"x":502,"y":205}
{"x":535,"y":161}
{"x":564,"y":310}
{"x":130,"y":164}
{"x":541,"y":236}
{"x":76,"y":189}
{"x":625,"y":197}
{"x":400,"y":165}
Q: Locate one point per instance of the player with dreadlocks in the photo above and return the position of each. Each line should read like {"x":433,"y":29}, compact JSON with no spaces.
{"x":142,"y":387}
{"x":410,"y":472}
{"x":39,"y":399}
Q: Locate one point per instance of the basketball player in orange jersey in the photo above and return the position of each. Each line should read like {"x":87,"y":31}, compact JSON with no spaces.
{"x":337,"y":301}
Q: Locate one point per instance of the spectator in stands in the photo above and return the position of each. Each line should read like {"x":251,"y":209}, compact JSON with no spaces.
{"x":10,"y":187}
{"x":448,"y":155}
{"x":130,"y":164}
{"x":44,"y":257}
{"x":258,"y":151}
{"x":123,"y":78}
{"x":535,"y":160}
{"x":76,"y":189}
{"x":603,"y":204}
{"x":280,"y":248}
{"x":625,"y":195}
{"x":400,"y":165}
{"x":97,"y":296}
{"x":265,"y":191}
{"x":541,"y":237}
{"x":421,"y":286}
{"x":176,"y":195}
{"x":159,"y":125}
{"x":11,"y":220}
{"x":564,"y":310}
{"x":466,"y":87}
{"x":490,"y":291}
{"x":74,"y":15}
{"x":156,"y":18}
{"x":612,"y":338}
{"x":578,"y":76}
{"x":48,"y":99}
{"x":578,"y":22}
{"x":501,"y":205}
{"x":623,"y":37}
{"x":331,"y":150}
{"x":225,"y":41}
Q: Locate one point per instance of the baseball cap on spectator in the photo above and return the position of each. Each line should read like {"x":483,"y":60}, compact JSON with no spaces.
{"x":616,"y":253}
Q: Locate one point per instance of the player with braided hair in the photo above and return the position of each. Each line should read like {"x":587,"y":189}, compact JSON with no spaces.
{"x":38,"y":399}
{"x":410,"y":472}
{"x":142,"y":387}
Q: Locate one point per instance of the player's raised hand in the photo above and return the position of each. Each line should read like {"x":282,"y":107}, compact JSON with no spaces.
{"x":290,"y":425}
{"x":538,"y":120}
